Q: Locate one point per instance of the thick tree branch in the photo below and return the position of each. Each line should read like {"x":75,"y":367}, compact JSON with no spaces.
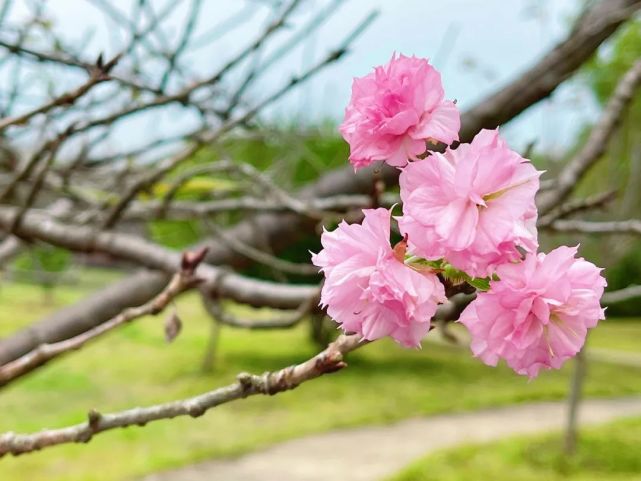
{"x":591,"y":29}
{"x":135,"y":249}
{"x":78,"y":318}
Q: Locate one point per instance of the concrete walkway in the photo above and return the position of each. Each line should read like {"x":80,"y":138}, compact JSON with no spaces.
{"x":622,"y":358}
{"x":373,"y":453}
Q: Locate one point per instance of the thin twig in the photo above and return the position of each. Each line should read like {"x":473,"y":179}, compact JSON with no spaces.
{"x":98,"y":75}
{"x":210,"y":137}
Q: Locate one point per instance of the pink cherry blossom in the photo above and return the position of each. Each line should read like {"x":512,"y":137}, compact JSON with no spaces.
{"x":537,"y":315}
{"x":473,"y":205}
{"x":394,"y":110}
{"x":368,"y":289}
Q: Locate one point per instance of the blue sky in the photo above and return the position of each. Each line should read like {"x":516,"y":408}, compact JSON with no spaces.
{"x":477,"y":44}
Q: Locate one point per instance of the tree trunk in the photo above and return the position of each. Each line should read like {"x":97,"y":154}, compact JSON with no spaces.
{"x":209,"y":359}
{"x":574,"y":401}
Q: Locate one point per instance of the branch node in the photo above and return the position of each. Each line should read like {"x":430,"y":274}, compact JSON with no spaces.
{"x":247,"y":382}
{"x":93,"y":419}
{"x":330,"y":362}
{"x":191,"y":260}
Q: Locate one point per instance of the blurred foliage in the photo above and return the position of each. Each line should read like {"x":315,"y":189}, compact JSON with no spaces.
{"x":605,"y":453}
{"x":195,"y":187}
{"x":42,"y":265}
{"x":291,"y":156}
{"x":605,"y":69}
{"x":177,"y":234}
{"x":43,"y":258}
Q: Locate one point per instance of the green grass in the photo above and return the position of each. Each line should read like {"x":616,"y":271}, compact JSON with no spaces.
{"x":620,"y":335}
{"x":607,"y":453}
{"x":134,"y":366}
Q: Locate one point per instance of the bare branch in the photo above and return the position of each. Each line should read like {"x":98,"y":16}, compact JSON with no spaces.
{"x":210,"y":137}
{"x":145,"y":253}
{"x":184,"y":95}
{"x":9,"y":248}
{"x":99,"y":74}
{"x":72,"y":320}
{"x":597,"y":142}
{"x":632,"y":226}
{"x":597,"y":23}
{"x":37,"y":184}
{"x":183,"y":42}
{"x":260,"y":256}
{"x":190,"y":210}
{"x":69,"y":61}
{"x":621,"y":295}
{"x":215,"y":309}
{"x":328,"y":361}
{"x":577,"y":205}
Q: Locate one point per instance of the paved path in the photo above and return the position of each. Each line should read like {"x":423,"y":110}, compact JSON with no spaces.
{"x":623,"y":358}
{"x":373,"y":453}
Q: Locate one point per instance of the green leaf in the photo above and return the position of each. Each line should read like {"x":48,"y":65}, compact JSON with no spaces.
{"x":480,"y":283}
{"x":417,"y":261}
{"x":454,"y":275}
{"x":458,"y":277}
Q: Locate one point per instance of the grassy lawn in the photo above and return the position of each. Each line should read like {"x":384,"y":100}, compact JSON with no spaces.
{"x":134,"y":366}
{"x":608,"y":453}
{"x":620,"y":335}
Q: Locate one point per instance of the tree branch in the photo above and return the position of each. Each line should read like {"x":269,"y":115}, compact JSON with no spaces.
{"x":328,"y":361}
{"x":632,"y":226}
{"x":145,"y":253}
{"x":597,"y":142}
{"x":621,"y":295}
{"x":99,"y":74}
{"x":598,"y":22}
{"x":215,"y":310}
{"x":575,"y":206}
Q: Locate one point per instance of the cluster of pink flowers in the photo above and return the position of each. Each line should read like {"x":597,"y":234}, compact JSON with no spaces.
{"x":471,"y":210}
